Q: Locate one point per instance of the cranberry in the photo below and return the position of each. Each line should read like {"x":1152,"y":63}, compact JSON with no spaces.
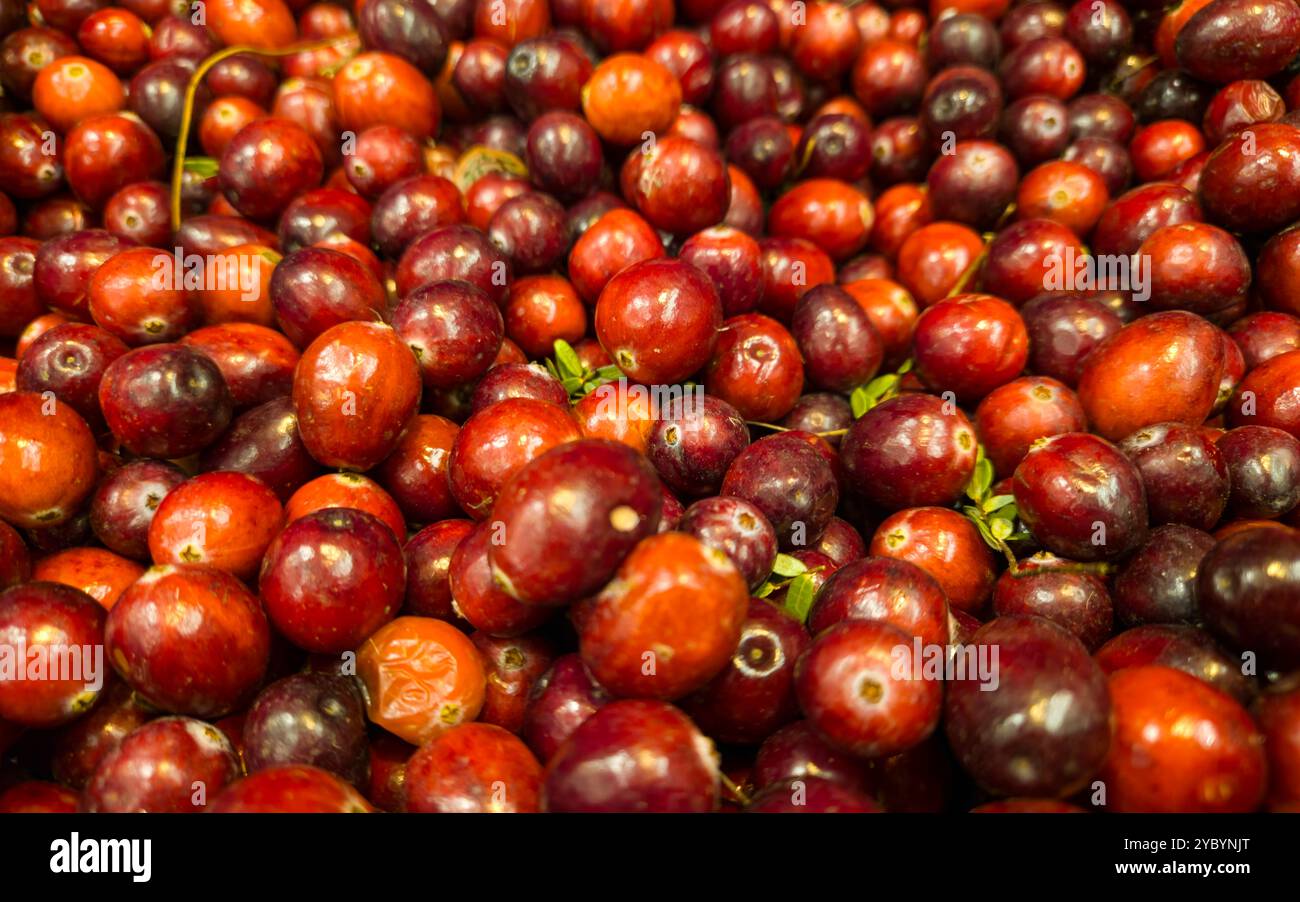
{"x":674,"y":767}
{"x":1185,"y":474}
{"x":515,"y":665}
{"x":1081,"y":497}
{"x":854,"y":696}
{"x":1263,"y":469}
{"x":295,"y":789}
{"x":315,"y":719}
{"x":612,"y":496}
{"x":167,"y":765}
{"x":559,"y":703}
{"x":330,"y":603}
{"x":165,"y":400}
{"x":791,"y":482}
{"x":889,"y":590}
{"x":1153,"y":766}
{"x":947,"y":546}
{"x":190,"y":639}
{"x":1243,"y":584}
{"x":932,"y":452}
{"x":1163,"y":367}
{"x":54,"y":623}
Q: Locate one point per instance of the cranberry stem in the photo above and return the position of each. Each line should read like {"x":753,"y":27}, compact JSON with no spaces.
{"x":192,"y":89}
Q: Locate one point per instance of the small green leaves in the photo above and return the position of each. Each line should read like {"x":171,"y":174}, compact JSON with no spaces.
{"x":881,"y":388}
{"x":577,"y":380}
{"x":995,"y":516}
{"x":799,"y":582}
{"x":788,"y":566}
{"x":202,"y":166}
{"x":800,"y":595}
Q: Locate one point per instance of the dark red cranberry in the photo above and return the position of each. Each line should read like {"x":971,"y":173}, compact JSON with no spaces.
{"x":738,"y":529}
{"x":125,"y":502}
{"x":165,"y":400}
{"x":1263,"y":466}
{"x":264,"y":442}
{"x":167,"y":765}
{"x":559,"y":703}
{"x":790,"y":482}
{"x":309,"y":718}
{"x":1184,"y":472}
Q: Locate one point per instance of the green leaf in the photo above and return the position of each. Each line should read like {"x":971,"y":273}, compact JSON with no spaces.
{"x":906,"y":367}
{"x":981,"y":480}
{"x":799,"y":596}
{"x":1006,"y":512}
{"x":204,"y":166}
{"x":609,"y":373}
{"x":567,"y":358}
{"x":1001,"y":529}
{"x":859,"y":401}
{"x":996,"y":502}
{"x":766,"y":589}
{"x":788,"y":565}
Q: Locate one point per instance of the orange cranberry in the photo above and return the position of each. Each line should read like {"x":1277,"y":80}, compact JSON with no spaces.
{"x":48,"y":460}
{"x":101,"y":574}
{"x":225,"y":520}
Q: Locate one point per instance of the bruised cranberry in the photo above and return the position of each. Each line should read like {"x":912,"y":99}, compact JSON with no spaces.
{"x":422,"y":677}
{"x":190,"y":639}
{"x":295,"y":789}
{"x":1081,"y":497}
{"x":1154,"y":765}
{"x":167,"y":765}
{"x":674,"y":768}
{"x":316,"y":719}
{"x":930,"y":458}
{"x":61,"y":672}
{"x":329,"y":603}
{"x":613,"y":503}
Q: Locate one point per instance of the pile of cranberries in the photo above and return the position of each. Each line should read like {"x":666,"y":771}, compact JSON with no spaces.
{"x":639,"y":405}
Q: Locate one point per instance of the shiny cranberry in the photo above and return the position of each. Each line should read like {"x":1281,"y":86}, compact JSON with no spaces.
{"x":191,"y":640}
{"x":410,"y":207}
{"x":559,"y":703}
{"x":936,"y":458}
{"x":165,"y":400}
{"x":1154,"y":766}
{"x":1037,"y":660}
{"x":620,"y":506}
{"x":963,"y":39}
{"x":1263,"y":466}
{"x":316,"y":719}
{"x":1185,"y":474}
{"x":893,"y":591}
{"x":739,"y":529}
{"x":675,"y":766}
{"x":52,"y":622}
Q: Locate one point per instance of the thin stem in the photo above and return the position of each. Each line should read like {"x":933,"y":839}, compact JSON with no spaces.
{"x":192,"y":89}
{"x":739,"y":794}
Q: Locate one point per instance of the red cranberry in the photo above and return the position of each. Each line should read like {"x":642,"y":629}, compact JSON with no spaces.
{"x":167,"y":765}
